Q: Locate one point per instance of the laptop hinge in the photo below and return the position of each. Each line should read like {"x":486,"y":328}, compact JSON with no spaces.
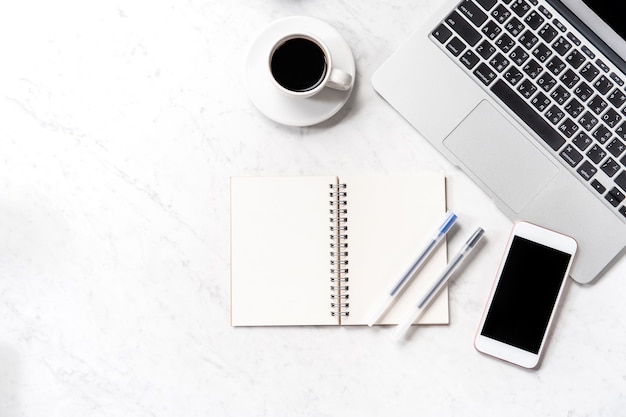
{"x":589,"y":34}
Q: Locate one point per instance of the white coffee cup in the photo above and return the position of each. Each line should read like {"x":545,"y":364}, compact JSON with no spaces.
{"x":301,"y":66}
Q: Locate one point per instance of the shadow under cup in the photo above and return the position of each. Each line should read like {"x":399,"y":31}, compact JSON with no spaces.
{"x":299,"y":64}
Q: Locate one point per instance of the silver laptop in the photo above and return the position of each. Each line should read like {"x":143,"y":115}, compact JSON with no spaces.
{"x":528,"y":97}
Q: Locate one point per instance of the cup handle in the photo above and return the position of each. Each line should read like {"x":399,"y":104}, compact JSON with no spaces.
{"x":339,"y":80}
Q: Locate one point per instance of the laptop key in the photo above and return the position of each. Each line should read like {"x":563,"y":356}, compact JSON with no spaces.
{"x":617,"y":98}
{"x":597,"y":185}
{"x":602,"y":134}
{"x":491,"y":30}
{"x":540,"y":101}
{"x":532,"y":69}
{"x":582,"y":141}
{"x":560,"y":95}
{"x":485,"y":74}
{"x":442,"y":33}
{"x":519,"y":56}
{"x":528,"y":39}
{"x":602,"y":65}
{"x":534,"y":20}
{"x":574,"y":108}
{"x":597,"y":104}
{"x":588,"y":121}
{"x":555,"y":66}
{"x":546,"y":81}
{"x":561,"y":46}
{"x":514,"y":27}
{"x":455,"y":46}
{"x":505,"y":43}
{"x":596,"y":154}
{"x":589,"y":71}
{"x":554,"y":114}
{"x":568,"y":127}
{"x":546,"y":132}
{"x":569,"y":78}
{"x":575,"y":59}
{"x":587,"y":170}
{"x":520,"y":7}
{"x":527,"y":89}
{"x":499,"y":62}
{"x":571,"y":155}
{"x":513,"y":75}
{"x":616,"y":147}
{"x":560,"y":26}
{"x":611,"y":118}
{"x":472,"y":12}
{"x":616,"y":79}
{"x":485,"y":49}
{"x":545,"y":12}
{"x":573,"y":38}
{"x":621,"y":131}
{"x":583,"y":91}
{"x":542,"y":52}
{"x":615,"y":196}
{"x":548,"y":33}
{"x":501,"y":14}
{"x":603,"y":84}
{"x":610,"y":167}
{"x":587,"y":52}
{"x":463,"y":28}
{"x":469,"y":59}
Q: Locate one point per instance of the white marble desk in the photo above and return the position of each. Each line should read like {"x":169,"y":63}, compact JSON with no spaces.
{"x":121,"y":124}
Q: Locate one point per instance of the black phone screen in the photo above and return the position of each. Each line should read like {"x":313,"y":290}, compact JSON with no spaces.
{"x":526,"y":294}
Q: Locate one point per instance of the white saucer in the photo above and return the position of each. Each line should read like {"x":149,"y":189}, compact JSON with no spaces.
{"x":295,"y":111}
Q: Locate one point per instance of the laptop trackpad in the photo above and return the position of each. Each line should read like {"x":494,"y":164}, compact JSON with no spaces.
{"x":500,"y":156}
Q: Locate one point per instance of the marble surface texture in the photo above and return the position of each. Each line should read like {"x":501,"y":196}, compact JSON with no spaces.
{"x":121,"y":123}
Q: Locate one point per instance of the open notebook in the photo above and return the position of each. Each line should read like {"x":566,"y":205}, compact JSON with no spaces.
{"x":324,"y":250}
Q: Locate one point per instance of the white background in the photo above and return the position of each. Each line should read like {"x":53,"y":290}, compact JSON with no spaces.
{"x":120,"y":125}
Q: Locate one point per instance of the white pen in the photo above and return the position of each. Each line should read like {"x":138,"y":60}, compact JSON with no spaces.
{"x":438,"y":285}
{"x":388,"y":298}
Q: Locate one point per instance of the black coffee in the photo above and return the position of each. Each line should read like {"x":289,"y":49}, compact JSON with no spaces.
{"x":298,"y":64}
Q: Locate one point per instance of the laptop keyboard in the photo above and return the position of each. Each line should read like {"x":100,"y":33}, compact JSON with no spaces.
{"x":552,"y":79}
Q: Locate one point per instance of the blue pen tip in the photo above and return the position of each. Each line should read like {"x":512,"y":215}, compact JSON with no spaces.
{"x":448,"y":222}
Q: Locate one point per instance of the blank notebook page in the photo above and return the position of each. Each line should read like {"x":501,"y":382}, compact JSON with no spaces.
{"x":390,"y":219}
{"x":280,"y":251}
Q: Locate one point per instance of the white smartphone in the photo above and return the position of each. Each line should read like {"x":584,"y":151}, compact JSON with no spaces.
{"x":525,"y":294}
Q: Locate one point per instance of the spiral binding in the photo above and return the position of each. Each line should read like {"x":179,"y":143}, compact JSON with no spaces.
{"x":339,"y":251}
